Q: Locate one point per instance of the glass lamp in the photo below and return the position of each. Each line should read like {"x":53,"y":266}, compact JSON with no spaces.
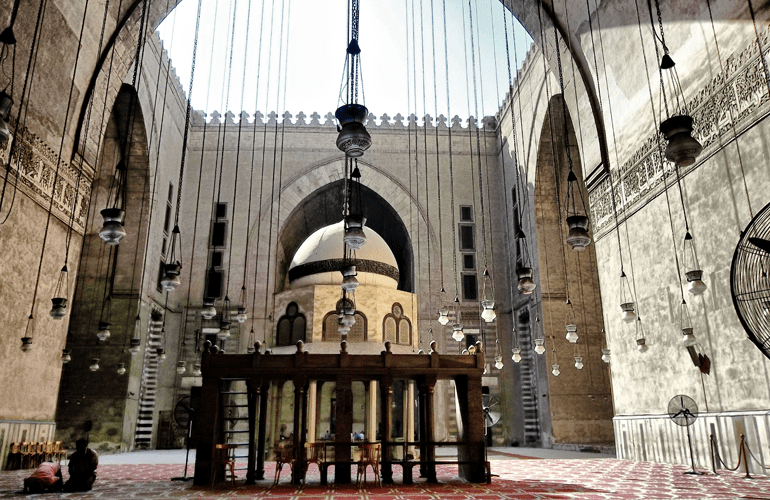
{"x":540,"y":345}
{"x":572,"y":335}
{"x":94,"y":366}
{"x":443,"y":316}
{"x":579,"y":362}
{"x":134,"y":346}
{"x":26,"y":344}
{"x":241,"y":315}
{"x":457,"y":331}
{"x":516,"y":351}
{"x":104,"y":331}
{"x":66,"y":355}
{"x":641,"y":345}
{"x":498,"y":362}
{"x":197,"y":370}
{"x":606,"y":355}
{"x":555,"y":370}
{"x":208,"y":311}
{"x":628,"y":315}
{"x":161,"y":353}
{"x":181,"y":366}
{"x":121,"y":368}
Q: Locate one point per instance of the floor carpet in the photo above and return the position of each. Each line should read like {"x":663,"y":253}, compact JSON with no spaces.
{"x":516,"y":479}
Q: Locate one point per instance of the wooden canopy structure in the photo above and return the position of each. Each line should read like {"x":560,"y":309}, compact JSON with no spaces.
{"x":260,"y":370}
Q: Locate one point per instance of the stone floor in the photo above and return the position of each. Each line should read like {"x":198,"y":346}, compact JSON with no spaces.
{"x":520,"y":474}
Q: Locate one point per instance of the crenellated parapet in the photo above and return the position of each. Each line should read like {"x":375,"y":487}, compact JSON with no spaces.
{"x":314,"y":120}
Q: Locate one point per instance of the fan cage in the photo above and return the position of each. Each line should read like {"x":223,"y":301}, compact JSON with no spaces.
{"x":750,"y":282}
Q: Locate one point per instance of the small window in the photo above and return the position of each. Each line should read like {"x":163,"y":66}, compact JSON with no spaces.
{"x":160,"y":275}
{"x":291,"y":326}
{"x":167,"y":222}
{"x":470,"y":287}
{"x":218,"y":234}
{"x":221,"y":211}
{"x":214,"y":284}
{"x":466,"y":214}
{"x":216,"y":259}
{"x":164,"y":247}
{"x":466,"y":238}
{"x":170,"y":192}
{"x":469,"y":261}
{"x":470,"y":340}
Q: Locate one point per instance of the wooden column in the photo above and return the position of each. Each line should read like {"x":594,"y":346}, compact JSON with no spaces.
{"x":300,"y":402}
{"x":209,"y":430}
{"x":427,"y":431}
{"x":386,"y":412}
{"x":344,"y":427}
{"x":312,"y":412}
{"x":253,"y":389}
{"x":471,"y":428}
{"x":264,"y":396}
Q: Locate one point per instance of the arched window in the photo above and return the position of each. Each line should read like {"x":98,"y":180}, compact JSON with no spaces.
{"x":396,"y":327}
{"x":357,"y":333}
{"x":291,"y":326}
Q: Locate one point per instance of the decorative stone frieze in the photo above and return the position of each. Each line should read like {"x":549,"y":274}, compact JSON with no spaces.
{"x":34,"y":165}
{"x":741,"y":90}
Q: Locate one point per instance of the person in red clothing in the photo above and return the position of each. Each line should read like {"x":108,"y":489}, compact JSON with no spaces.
{"x":47,"y":477}
{"x":82,"y":468}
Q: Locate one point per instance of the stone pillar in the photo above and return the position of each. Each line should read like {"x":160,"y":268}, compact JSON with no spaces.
{"x":386,"y":412}
{"x":312,"y":411}
{"x":264,"y":396}
{"x":209,"y":433}
{"x":253,"y":389}
{"x":471,"y":429}
{"x":344,"y":427}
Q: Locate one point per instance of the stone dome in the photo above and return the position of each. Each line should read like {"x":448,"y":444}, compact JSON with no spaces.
{"x":319,"y":259}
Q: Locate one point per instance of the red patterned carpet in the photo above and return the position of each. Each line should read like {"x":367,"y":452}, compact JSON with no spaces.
{"x":518,"y":479}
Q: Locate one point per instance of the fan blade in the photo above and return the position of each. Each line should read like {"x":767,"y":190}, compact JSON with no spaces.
{"x":760,"y":243}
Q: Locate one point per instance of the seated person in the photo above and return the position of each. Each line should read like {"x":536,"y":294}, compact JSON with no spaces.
{"x":82,"y":468}
{"x":47,"y":477}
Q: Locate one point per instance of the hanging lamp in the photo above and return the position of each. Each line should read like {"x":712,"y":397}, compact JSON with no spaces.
{"x":627,"y":305}
{"x":692,"y":271}
{"x":539,"y":341}
{"x":685,"y":322}
{"x":94,"y":366}
{"x":555,"y":366}
{"x":208,"y":311}
{"x":240,"y":315}
{"x":112,"y":231}
{"x":181,"y":367}
{"x":224,"y":320}
{"x":571,"y":326}
{"x":103,"y":333}
{"x":457,"y":326}
{"x":59,"y":300}
{"x":498,"y":356}
{"x":641,"y":342}
{"x":160,"y":353}
{"x":66,"y":355}
{"x":121,"y":369}
{"x":526,"y":284}
{"x":353,"y":139}
{"x":488,"y":298}
{"x":515,"y":350}
{"x":197,"y":370}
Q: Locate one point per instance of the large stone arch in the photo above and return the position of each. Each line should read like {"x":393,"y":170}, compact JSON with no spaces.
{"x":392,"y":195}
{"x":564,"y":273}
{"x":115,"y":271}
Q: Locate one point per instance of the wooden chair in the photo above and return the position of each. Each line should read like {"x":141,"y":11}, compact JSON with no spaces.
{"x":27,"y":451}
{"x":370,"y":456}
{"x":39,"y":455}
{"x":222,"y":457}
{"x":14,"y":457}
{"x":283,"y":455}
{"x":59,"y":452}
{"x":315,"y":453}
{"x":48,"y":452}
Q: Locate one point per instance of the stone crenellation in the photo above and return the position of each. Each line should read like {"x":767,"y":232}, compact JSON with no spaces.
{"x":489,"y":123}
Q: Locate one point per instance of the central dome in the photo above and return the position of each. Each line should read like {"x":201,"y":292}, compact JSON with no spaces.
{"x":319,"y":259}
